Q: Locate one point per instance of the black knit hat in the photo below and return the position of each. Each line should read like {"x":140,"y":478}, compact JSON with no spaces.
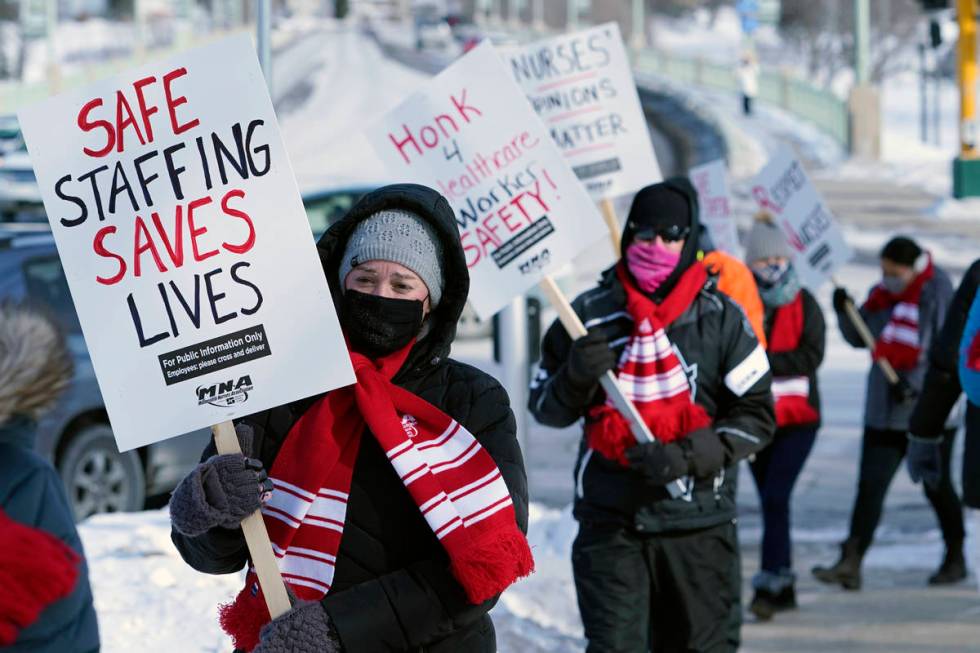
{"x":659,"y":206}
{"x":902,"y":250}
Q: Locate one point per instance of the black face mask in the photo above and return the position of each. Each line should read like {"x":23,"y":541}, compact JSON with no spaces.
{"x":378,"y":326}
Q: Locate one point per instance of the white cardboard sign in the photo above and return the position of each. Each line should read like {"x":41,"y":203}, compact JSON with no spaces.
{"x":582,"y":86}
{"x":185,"y":244}
{"x":711,"y":181}
{"x":470,"y":134}
{"x":784,"y":190}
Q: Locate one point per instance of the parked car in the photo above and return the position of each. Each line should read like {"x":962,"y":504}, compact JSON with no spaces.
{"x":18,"y":185}
{"x":10,"y":137}
{"x":324,"y":207}
{"x":76,"y":437}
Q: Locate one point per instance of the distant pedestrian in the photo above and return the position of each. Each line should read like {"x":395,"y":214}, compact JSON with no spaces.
{"x":656,"y":572}
{"x":904,"y":312}
{"x":796,"y":333}
{"x":45,"y":599}
{"x":953,"y":370}
{"x":748,"y":80}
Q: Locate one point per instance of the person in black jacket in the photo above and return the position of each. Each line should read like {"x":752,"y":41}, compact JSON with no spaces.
{"x":930,"y":444}
{"x":796,"y":334}
{"x":904,"y":312}
{"x":654,"y":571}
{"x":393,"y":585}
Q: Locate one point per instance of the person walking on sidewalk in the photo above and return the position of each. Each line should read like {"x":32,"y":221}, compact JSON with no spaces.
{"x":398,"y":505}
{"x":904,"y":313}
{"x":953,"y":370}
{"x":748,"y":80}
{"x":652,"y":572}
{"x":796,"y":333}
{"x":46,"y":601}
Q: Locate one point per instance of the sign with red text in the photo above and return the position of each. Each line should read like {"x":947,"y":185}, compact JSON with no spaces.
{"x":711,"y":182}
{"x":471,"y":135}
{"x":784,"y":190}
{"x":582,"y":86}
{"x":185,"y":243}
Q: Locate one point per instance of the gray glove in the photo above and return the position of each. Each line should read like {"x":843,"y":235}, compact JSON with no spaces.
{"x":925,"y":461}
{"x":221,"y":491}
{"x":306,"y":628}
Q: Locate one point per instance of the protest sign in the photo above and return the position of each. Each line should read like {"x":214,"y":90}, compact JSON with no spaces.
{"x":784,"y":190}
{"x":711,"y":182}
{"x":185,"y":244}
{"x":582,"y":87}
{"x":471,"y":134}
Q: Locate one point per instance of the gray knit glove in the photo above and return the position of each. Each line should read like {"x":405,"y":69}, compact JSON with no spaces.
{"x":304,"y":629}
{"x":221,"y":491}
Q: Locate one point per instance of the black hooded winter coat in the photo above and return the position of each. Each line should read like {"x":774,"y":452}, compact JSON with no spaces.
{"x":729,"y":373}
{"x":392,"y":589}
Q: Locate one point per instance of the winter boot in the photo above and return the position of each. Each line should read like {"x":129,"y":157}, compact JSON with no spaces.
{"x":773,"y":593}
{"x":847,"y":571}
{"x":953,"y":569}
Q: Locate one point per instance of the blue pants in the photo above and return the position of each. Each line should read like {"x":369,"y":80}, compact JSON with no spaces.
{"x":775,"y":470}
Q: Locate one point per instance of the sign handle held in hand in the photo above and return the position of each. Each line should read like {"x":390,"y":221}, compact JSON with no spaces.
{"x":869,"y":340}
{"x":570,"y":320}
{"x":256,"y":536}
{"x":609,"y":215}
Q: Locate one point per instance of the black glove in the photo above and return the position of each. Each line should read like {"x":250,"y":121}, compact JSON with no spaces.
{"x":589,"y":359}
{"x":841,"y":299}
{"x":903,"y":393}
{"x":306,"y":628}
{"x":659,"y":463}
{"x":925,"y":461}
{"x":221,"y":491}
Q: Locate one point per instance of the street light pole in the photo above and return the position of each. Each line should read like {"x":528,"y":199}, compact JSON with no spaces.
{"x":263,"y":38}
{"x":571,"y":20}
{"x":862,"y":30}
{"x":639,"y":38}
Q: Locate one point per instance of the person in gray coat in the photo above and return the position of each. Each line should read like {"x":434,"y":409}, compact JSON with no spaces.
{"x":45,"y":600}
{"x":903,"y":312}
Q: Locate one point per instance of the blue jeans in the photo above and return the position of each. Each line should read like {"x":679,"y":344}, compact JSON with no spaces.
{"x":775,"y":470}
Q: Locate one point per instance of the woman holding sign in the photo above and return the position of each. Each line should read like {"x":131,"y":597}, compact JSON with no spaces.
{"x":904,"y":312}
{"x":654,"y":571}
{"x":796,"y":334}
{"x":398,"y":506}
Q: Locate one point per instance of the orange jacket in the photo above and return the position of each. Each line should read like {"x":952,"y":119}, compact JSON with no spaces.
{"x":736,"y":280}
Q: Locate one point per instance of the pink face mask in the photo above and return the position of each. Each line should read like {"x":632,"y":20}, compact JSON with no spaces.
{"x":650,"y":264}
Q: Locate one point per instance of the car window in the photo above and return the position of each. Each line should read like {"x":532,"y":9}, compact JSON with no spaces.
{"x":324,"y":211}
{"x":46,"y":284}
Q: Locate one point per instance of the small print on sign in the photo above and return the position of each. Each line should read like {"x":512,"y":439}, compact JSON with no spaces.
{"x":784,"y":190}
{"x":183,"y":238}
{"x":471,"y":135}
{"x":711,"y":182}
{"x":582,"y":87}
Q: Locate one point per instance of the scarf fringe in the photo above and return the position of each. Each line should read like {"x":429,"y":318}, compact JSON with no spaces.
{"x":36,"y":570}
{"x":609,"y":433}
{"x":244,"y":618}
{"x":488,"y":567}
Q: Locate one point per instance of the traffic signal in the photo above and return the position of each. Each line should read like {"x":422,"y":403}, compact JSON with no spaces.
{"x":934,"y":5}
{"x":935,"y":33}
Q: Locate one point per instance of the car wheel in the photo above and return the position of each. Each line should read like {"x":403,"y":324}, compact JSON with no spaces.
{"x":97,"y":477}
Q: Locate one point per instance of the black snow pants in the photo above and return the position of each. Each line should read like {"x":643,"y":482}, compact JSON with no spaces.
{"x":664,"y":593}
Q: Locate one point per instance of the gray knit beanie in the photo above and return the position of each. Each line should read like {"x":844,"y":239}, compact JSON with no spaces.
{"x":765,"y":240}
{"x":400,"y":237}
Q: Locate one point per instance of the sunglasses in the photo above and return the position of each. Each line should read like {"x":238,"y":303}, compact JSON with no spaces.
{"x":670,"y":234}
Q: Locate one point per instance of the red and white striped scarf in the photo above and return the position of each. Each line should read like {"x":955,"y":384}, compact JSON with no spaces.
{"x":453,"y":480}
{"x":791,"y":393}
{"x":899,"y":342}
{"x":650,"y":373}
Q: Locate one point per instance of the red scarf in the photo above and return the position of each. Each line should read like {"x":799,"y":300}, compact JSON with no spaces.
{"x":791,"y":393}
{"x":453,"y":480}
{"x":650,"y":373}
{"x":899,"y":341}
{"x":36,"y":570}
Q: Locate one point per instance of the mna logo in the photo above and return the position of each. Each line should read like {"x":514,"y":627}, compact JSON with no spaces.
{"x":226,"y":393}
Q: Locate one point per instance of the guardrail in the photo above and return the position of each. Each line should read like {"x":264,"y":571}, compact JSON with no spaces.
{"x":825,"y":110}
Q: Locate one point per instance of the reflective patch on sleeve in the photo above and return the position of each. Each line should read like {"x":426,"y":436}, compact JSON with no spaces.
{"x":747,"y":373}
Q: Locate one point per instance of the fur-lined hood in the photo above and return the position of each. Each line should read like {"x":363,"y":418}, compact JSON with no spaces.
{"x":35,"y":366}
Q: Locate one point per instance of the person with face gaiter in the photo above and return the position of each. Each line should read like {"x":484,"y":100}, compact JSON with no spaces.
{"x":904,"y":312}
{"x":655,"y":572}
{"x":397,"y":507}
{"x":796,"y":334}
